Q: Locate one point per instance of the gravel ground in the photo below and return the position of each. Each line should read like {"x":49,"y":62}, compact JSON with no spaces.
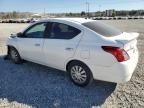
{"x":31,"y":85}
{"x":130,"y":94}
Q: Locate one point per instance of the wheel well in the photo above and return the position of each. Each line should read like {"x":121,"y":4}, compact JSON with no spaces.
{"x":75,"y":61}
{"x":78,"y":61}
{"x":8,"y":50}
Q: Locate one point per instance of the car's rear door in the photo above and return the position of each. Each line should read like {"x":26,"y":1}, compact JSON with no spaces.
{"x":60,"y":44}
{"x":31,"y":42}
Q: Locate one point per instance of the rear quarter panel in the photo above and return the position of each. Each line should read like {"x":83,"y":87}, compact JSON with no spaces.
{"x":90,"y":52}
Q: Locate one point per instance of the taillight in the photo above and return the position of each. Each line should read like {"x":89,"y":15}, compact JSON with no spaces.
{"x":119,"y":53}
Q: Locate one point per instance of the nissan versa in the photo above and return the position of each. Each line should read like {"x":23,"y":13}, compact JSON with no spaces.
{"x":85,"y":48}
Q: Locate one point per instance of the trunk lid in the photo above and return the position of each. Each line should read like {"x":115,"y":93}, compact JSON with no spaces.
{"x":129,"y":42}
{"x":126,"y":37}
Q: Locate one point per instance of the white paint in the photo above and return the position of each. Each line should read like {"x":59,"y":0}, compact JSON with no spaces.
{"x":86,"y":47}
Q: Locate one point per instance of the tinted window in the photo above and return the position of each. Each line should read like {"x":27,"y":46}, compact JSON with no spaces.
{"x":63,"y":31}
{"x":102,"y":28}
{"x":36,"y":31}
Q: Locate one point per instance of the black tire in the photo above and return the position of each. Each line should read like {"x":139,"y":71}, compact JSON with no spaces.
{"x":88,"y":74}
{"x":14,"y":56}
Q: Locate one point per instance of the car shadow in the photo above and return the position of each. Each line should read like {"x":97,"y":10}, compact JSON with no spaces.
{"x":41,"y":86}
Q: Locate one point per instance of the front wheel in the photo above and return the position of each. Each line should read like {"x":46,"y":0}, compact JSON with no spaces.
{"x":80,"y":74}
{"x":14,"y":55}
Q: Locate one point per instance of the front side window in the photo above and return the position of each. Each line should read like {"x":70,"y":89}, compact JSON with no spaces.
{"x":36,"y":31}
{"x":63,"y":31}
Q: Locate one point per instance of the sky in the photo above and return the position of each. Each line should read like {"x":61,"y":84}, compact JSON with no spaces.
{"x":60,"y":6}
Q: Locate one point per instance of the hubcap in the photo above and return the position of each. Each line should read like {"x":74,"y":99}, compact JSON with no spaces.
{"x":14,"y":55}
{"x":78,"y":74}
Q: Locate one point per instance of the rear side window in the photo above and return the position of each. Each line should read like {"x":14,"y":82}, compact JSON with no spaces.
{"x":102,"y":28}
{"x":63,"y":31}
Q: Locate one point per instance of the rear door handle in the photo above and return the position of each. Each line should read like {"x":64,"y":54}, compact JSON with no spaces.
{"x":37,"y":45}
{"x":69,"y":49}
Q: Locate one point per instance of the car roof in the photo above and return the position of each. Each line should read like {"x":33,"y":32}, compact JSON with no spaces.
{"x":74,"y":20}
{"x":79,"y":20}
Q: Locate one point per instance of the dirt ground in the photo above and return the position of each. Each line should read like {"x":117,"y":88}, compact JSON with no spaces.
{"x":32,"y":85}
{"x":130,"y":94}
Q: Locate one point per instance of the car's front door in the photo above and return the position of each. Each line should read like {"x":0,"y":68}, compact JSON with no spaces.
{"x":60,"y":44}
{"x":31,"y":42}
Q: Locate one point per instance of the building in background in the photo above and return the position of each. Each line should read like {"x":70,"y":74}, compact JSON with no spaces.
{"x":110,"y":13}
{"x":36,"y":16}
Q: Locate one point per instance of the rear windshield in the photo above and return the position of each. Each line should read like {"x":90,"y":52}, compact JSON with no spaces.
{"x":102,"y":28}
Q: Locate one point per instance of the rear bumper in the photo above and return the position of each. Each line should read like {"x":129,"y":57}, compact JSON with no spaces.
{"x":118,"y":73}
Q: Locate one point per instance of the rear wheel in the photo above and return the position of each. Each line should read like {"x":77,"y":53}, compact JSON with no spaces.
{"x":80,"y":74}
{"x":14,"y":55}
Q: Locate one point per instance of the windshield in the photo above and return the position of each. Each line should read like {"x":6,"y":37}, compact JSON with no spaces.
{"x":102,"y":28}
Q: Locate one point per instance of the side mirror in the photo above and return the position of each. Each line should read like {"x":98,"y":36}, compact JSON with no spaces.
{"x":19,"y":34}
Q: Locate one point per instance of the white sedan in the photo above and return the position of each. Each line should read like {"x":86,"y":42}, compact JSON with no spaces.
{"x":84,"y":48}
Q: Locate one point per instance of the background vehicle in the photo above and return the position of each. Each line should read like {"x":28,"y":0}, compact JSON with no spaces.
{"x":86,"y":49}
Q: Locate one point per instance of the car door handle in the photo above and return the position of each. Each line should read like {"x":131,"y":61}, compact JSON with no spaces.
{"x":37,"y":45}
{"x":69,"y":49}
